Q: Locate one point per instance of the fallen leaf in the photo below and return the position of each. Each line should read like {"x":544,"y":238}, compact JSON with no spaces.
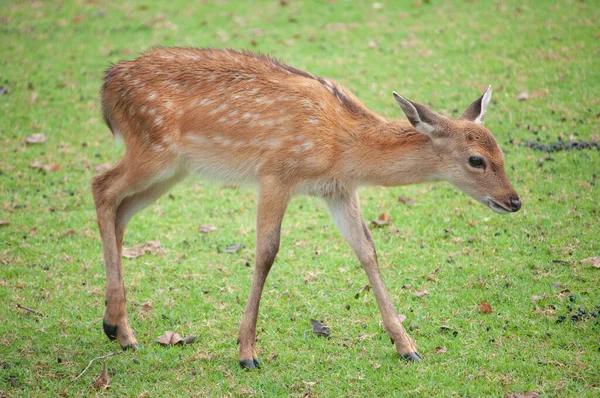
{"x":421,"y":293}
{"x":169,"y":338}
{"x":563,"y":293}
{"x":440,"y":349}
{"x":366,"y":288}
{"x":206,"y":228}
{"x":529,"y":394}
{"x":485,"y":307}
{"x":133,"y":252}
{"x":4,"y":222}
{"x":103,"y":381}
{"x":36,"y":164}
{"x":522,"y":96}
{"x":189,"y":339}
{"x":401,"y":317}
{"x":539,"y":93}
{"x":310,"y":277}
{"x":536,"y":298}
{"x":405,"y":200}
{"x":51,"y":167}
{"x":101,"y":168}
{"x":153,"y":247}
{"x":234,"y":248}
{"x":319,"y":329}
{"x":445,"y":326}
{"x":67,"y":233}
{"x":383,"y":219}
{"x":372,"y":44}
{"x":147,"y":308}
{"x":377,"y":6}
{"x":593,"y":261}
{"x":35,"y":139}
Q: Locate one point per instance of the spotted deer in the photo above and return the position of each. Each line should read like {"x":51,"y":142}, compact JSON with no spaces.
{"x":240,"y":118}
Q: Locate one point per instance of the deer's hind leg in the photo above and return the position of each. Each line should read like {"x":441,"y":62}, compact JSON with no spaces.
{"x":119,"y":194}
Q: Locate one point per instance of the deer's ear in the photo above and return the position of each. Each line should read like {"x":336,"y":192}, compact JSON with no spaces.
{"x":423,"y":119}
{"x":476,"y":111}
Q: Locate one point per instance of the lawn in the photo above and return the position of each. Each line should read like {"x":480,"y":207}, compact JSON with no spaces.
{"x":542,"y":334}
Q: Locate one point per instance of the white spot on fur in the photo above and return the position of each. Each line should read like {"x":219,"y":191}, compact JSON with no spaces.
{"x":143,"y":109}
{"x":131,"y":111}
{"x":168,"y":104}
{"x":158,"y":120}
{"x":220,"y":108}
{"x":246,"y":116}
{"x":198,"y":139}
{"x":152,"y":111}
{"x":151,"y":96}
{"x":313,"y":120}
{"x":157,"y":147}
{"x":307,"y":145}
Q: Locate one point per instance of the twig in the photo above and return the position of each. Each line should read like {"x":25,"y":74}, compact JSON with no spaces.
{"x":95,"y":359}
{"x":29,"y":309}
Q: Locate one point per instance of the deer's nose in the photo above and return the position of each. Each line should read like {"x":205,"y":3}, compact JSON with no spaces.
{"x":515,"y":204}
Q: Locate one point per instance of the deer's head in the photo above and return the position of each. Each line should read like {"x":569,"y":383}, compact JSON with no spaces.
{"x":468,"y":154}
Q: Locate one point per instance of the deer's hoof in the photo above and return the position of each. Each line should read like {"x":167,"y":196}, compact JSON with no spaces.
{"x":412,"y":356}
{"x":249,"y":364}
{"x":110,"y":330}
{"x":133,"y":347}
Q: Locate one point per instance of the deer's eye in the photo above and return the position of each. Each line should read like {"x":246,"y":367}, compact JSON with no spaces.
{"x":477,"y":162}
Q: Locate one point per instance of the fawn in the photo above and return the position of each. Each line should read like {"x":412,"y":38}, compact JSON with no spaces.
{"x":240,"y":117}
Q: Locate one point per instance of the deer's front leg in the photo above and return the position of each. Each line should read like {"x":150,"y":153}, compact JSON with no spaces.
{"x":347,"y":216}
{"x":272,"y":204}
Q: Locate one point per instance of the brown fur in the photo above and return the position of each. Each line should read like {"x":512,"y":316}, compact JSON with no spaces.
{"x":241,"y":117}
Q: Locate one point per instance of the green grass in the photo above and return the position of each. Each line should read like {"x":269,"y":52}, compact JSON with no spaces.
{"x":52,"y":56}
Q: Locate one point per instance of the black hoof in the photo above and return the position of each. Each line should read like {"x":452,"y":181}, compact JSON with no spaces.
{"x":109,"y":330}
{"x":412,"y":356}
{"x":250,"y":364}
{"x":133,"y":347}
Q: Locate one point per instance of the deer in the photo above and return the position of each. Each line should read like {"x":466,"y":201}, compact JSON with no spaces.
{"x":243,"y":118}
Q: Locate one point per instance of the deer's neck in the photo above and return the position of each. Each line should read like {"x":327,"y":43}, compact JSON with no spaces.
{"x":390,"y":153}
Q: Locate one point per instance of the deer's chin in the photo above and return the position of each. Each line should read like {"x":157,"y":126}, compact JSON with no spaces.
{"x":498,"y":208}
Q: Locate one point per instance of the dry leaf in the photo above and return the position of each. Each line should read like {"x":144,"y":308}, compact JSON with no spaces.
{"x":593,"y":261}
{"x":440,"y":349}
{"x":310,"y":277}
{"x":421,"y":293}
{"x":36,"y":164}
{"x":529,"y":394}
{"x":372,"y":44}
{"x":206,"y":228}
{"x":147,"y":308}
{"x":539,"y":93}
{"x":536,"y":298}
{"x":401,"y":317}
{"x":153,"y":247}
{"x":522,"y":96}
{"x":485,"y":307}
{"x":563,"y":293}
{"x":319,"y":329}
{"x":234,"y":248}
{"x":4,"y":222}
{"x":36,"y":139}
{"x":405,"y":200}
{"x":133,"y":252}
{"x":170,"y":338}
{"x":103,"y":381}
{"x":383,"y":219}
{"x":67,"y":233}
{"x":51,"y":167}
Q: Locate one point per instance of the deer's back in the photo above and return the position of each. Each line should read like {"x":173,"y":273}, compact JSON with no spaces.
{"x":230,"y":113}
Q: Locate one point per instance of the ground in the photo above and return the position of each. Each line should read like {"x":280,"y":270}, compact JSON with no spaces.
{"x":542,"y":334}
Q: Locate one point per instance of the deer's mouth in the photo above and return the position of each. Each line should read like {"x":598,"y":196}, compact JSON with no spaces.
{"x":497,"y":207}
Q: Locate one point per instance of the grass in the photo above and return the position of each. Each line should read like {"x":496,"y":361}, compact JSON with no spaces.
{"x":52,"y":56}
